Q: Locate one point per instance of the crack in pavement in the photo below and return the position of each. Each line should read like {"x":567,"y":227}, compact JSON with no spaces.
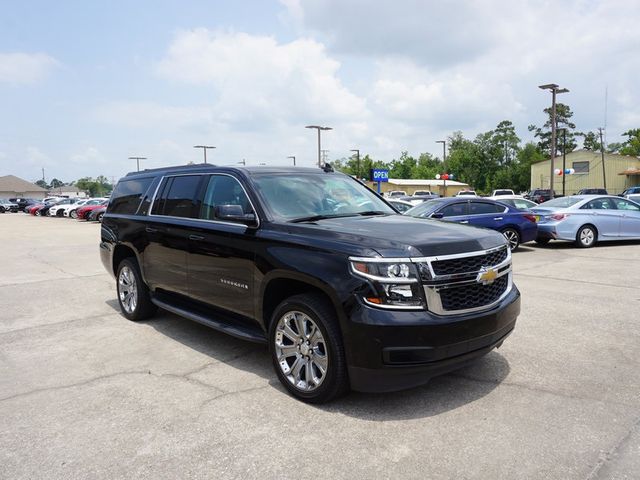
{"x":540,"y":390}
{"x":605,"y":459}
{"x":228,"y":394}
{"x":573,"y":280}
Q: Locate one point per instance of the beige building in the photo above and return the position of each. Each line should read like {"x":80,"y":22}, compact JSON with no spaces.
{"x":14,"y":187}
{"x":410,"y":185}
{"x":621,"y":172}
{"x":70,"y":191}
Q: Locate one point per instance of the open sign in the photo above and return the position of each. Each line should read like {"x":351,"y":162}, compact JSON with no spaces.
{"x":379,"y":175}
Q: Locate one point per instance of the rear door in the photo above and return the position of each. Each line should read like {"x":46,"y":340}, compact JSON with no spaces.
{"x":221,"y":258}
{"x":629,"y":218}
{"x":486,"y":214}
{"x":167,"y":232}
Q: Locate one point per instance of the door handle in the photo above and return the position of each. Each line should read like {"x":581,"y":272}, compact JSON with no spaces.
{"x":464,"y":221}
{"x":497,"y":218}
{"x":196,"y":237}
{"x":151,"y":230}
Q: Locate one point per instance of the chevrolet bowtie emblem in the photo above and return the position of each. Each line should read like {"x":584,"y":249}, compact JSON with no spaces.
{"x":486,"y":276}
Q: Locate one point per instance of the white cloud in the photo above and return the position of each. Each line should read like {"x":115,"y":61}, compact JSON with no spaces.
{"x":152,"y":115}
{"x":257,"y":81}
{"x":20,"y":68}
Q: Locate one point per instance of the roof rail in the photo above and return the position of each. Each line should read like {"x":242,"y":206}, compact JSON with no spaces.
{"x":172,"y":168}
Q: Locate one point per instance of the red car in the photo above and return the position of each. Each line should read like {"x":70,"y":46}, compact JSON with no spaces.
{"x":32,"y":209}
{"x":83,"y":212}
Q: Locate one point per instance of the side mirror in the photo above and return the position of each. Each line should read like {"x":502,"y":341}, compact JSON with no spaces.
{"x":235,"y":213}
{"x":437,"y":215}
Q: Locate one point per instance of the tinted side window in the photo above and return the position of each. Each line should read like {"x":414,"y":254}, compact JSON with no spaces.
{"x":600,"y":204}
{"x":223,"y":190}
{"x":454,"y":210}
{"x":176,"y":197}
{"x":480,"y":208}
{"x":127,"y":194}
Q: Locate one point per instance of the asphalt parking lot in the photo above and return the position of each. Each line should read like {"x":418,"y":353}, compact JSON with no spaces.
{"x":85,"y":393}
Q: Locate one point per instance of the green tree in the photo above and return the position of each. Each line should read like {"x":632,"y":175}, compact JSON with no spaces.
{"x":505,"y":143}
{"x":55,"y":183}
{"x":42,"y":184}
{"x":402,"y":167}
{"x":563,"y":120}
{"x":590,"y":141}
{"x":631,"y":146}
{"x":427,"y":166}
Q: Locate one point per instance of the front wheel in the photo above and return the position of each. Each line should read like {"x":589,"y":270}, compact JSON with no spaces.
{"x":586,"y":237}
{"x":133,"y":293}
{"x":73,"y":214}
{"x":2,"y":209}
{"x":307,"y":350}
{"x":99,"y":217}
{"x":513,"y":238}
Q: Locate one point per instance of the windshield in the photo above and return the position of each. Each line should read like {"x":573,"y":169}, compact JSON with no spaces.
{"x":424,"y":209}
{"x":307,"y":195}
{"x":562,"y":202}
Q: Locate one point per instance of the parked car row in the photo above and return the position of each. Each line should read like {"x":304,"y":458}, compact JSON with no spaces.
{"x":91,"y":209}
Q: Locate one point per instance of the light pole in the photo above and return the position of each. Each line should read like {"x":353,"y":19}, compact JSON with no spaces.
{"x":357,"y":162}
{"x":293,"y":157}
{"x":319,"y":128}
{"x":137,"y":159}
{"x":564,"y":157}
{"x":555,"y":89}
{"x":604,"y":172}
{"x":204,"y":149}
{"x":444,"y":160}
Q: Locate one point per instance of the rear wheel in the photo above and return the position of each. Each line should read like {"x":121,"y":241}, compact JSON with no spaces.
{"x":513,"y":237}
{"x":307,"y":350}
{"x":73,"y":214}
{"x":38,"y":213}
{"x":133,"y":293}
{"x":99,"y":217}
{"x":587,"y":236}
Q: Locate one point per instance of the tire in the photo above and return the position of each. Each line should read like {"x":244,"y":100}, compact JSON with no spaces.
{"x":133,"y":293}
{"x":73,"y":214}
{"x":587,"y":236}
{"x":99,"y":217}
{"x":513,"y":238}
{"x":323,"y":348}
{"x":60,"y":213}
{"x":542,"y":241}
{"x":2,"y":210}
{"x":38,"y":214}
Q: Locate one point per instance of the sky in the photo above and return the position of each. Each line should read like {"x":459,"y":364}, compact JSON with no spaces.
{"x":85,"y":85}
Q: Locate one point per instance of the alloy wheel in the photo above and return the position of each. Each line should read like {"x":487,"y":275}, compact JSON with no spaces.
{"x":301,"y":351}
{"x":512,"y":237}
{"x":587,"y":236}
{"x":127,"y":289}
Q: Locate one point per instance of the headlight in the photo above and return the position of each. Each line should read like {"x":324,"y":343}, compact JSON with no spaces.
{"x":395,"y":283}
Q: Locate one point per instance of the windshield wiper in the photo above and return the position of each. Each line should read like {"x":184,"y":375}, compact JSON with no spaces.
{"x":313,"y":218}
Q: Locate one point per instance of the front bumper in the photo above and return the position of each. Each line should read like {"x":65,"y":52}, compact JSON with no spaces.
{"x":394,"y":350}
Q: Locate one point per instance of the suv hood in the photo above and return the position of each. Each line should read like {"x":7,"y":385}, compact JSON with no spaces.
{"x":401,"y":236}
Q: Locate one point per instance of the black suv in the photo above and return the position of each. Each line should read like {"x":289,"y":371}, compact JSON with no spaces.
{"x":540,"y":195}
{"x":592,"y":191}
{"x":345,"y":291}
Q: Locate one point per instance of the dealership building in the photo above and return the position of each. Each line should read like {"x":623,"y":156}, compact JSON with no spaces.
{"x":446,"y":188}
{"x":14,"y":187}
{"x":620,"y":172}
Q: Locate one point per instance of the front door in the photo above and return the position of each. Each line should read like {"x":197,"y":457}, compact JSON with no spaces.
{"x":221,"y":259}
{"x":629,"y":218}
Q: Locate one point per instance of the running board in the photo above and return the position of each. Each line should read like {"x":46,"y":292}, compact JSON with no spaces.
{"x":243,"y":332}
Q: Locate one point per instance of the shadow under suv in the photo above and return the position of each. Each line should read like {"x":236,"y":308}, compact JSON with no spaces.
{"x":346,"y":292}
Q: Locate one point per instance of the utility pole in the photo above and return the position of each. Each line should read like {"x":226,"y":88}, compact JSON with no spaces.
{"x":293,"y":157}
{"x":564,"y":158}
{"x":43,"y":175}
{"x":319,"y":128}
{"x":444,"y":161}
{"x":137,"y":159}
{"x":357,"y":162}
{"x":555,"y":89}
{"x":604,"y":172}
{"x":204,"y":149}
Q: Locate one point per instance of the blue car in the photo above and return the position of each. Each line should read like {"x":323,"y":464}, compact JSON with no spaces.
{"x":588,"y":219}
{"x":517,"y":226}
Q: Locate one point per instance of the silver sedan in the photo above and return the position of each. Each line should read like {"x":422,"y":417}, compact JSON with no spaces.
{"x":588,"y":219}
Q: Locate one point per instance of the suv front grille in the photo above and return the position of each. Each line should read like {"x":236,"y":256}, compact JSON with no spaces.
{"x":473,"y":295}
{"x":455,"y":285}
{"x":469,"y":264}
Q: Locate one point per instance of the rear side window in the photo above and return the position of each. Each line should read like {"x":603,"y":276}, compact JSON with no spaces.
{"x":126,"y":197}
{"x":481,"y":208}
{"x":176,"y":197}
